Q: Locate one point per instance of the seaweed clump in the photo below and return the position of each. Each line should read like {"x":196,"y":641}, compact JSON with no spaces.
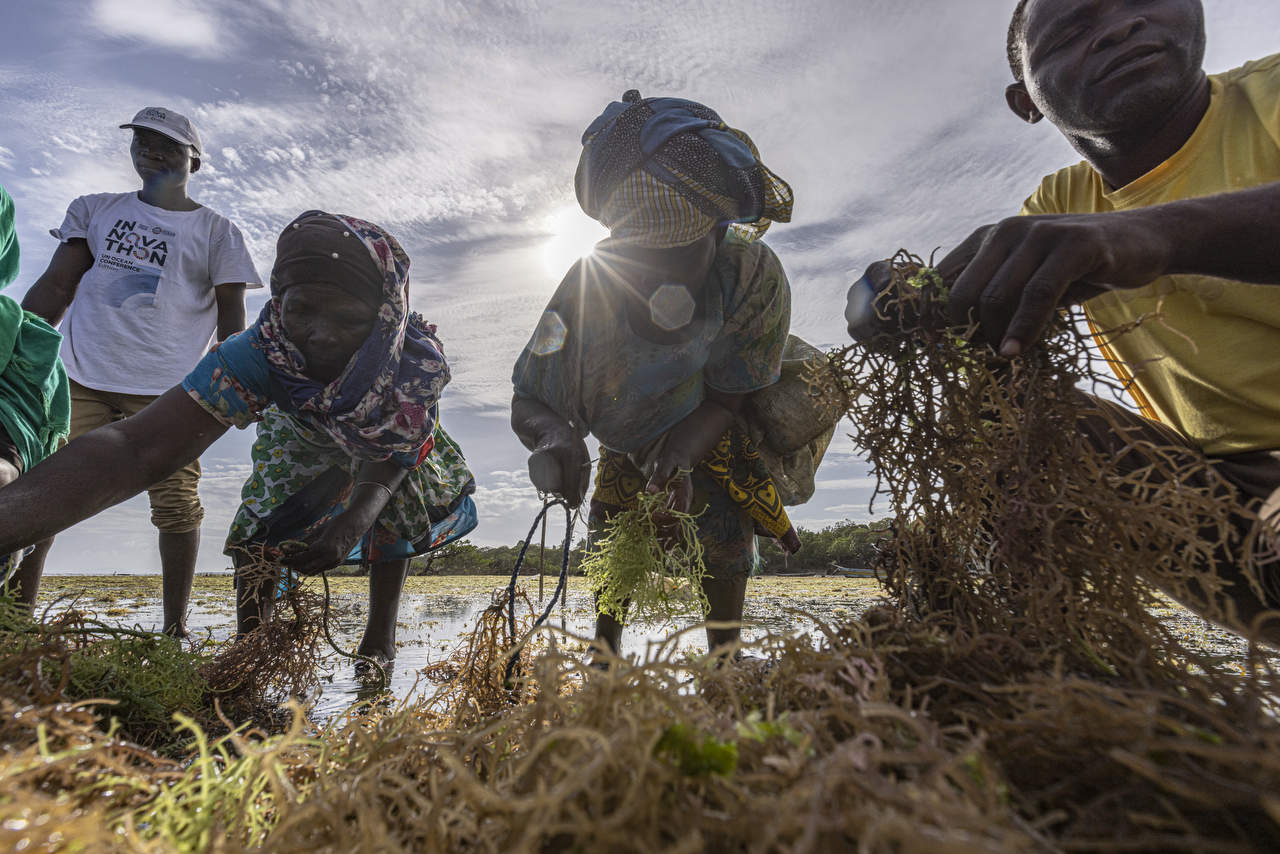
{"x":250,"y":678}
{"x":647,"y":562}
{"x":1026,"y":563}
{"x":136,"y":680}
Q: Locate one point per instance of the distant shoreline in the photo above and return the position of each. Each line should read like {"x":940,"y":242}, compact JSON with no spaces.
{"x":107,"y":573}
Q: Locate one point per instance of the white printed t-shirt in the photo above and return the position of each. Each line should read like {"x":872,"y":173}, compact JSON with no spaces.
{"x":145,"y":312}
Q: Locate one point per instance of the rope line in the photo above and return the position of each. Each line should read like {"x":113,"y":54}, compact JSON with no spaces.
{"x":560,"y":583}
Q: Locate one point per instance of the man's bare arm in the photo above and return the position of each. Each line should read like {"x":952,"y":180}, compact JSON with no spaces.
{"x":1012,"y":276}
{"x":230,"y":297}
{"x":53,"y":292}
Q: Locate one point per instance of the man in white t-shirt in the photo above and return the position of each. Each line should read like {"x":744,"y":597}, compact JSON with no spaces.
{"x":141,"y":283}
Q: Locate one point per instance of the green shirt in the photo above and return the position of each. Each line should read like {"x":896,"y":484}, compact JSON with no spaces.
{"x":8,"y":241}
{"x":35,"y":401}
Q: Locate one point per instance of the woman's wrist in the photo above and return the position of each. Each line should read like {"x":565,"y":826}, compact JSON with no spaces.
{"x":374,"y":489}
{"x":696,"y":436}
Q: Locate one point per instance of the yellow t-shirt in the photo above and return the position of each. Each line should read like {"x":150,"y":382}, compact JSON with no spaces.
{"x":1210,"y":366}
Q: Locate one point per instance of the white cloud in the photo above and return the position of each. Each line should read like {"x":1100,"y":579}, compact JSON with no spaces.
{"x":176,"y":24}
{"x":855,"y":511}
{"x":847,"y":483}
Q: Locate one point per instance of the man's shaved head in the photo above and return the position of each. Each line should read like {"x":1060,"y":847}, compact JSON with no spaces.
{"x":1014,"y":42}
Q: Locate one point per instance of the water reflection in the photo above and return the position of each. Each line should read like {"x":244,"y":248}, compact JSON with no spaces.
{"x":429,"y":628}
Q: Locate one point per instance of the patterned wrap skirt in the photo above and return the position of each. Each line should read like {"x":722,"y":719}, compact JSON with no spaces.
{"x":301,"y":479}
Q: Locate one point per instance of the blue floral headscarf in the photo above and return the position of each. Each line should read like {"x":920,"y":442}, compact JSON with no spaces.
{"x":384,"y":402}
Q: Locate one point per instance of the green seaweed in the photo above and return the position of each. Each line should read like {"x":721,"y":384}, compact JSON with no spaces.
{"x":697,"y":754}
{"x":648,"y":561}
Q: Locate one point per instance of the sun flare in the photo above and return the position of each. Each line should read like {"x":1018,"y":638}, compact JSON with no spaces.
{"x":572,"y":235}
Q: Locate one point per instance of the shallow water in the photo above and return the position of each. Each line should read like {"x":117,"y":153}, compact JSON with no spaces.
{"x":436,"y":612}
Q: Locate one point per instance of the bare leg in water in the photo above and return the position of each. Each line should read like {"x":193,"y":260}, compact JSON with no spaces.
{"x":25,"y":581}
{"x":386,"y":581}
{"x":177,"y":569}
{"x":255,"y":586}
{"x":8,"y":474}
{"x":727,"y":534}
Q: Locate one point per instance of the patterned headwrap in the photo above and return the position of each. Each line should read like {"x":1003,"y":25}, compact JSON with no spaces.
{"x":664,"y":172}
{"x":310,"y":250}
{"x":384,"y":402}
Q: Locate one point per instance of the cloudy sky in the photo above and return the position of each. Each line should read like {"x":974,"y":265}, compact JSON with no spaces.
{"x":456,"y":125}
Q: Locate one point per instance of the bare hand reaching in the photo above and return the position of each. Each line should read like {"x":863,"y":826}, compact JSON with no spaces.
{"x":1011,"y":277}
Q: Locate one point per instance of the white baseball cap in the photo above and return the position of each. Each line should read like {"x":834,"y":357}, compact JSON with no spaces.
{"x":173,"y":125}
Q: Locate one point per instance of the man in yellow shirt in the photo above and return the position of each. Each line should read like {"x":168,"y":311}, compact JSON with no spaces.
{"x":1175,"y":209}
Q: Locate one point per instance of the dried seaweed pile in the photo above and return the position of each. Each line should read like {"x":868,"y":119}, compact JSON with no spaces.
{"x":1025,"y":564}
{"x":1015,"y":693}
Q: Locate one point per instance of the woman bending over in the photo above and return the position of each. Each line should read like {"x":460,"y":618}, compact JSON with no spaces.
{"x":653,"y":342}
{"x":350,"y":462}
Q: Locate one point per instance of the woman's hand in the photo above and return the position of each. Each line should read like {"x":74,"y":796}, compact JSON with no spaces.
{"x":376,"y":482}
{"x":561,"y":466}
{"x":673,"y":471}
{"x":327,"y":548}
{"x":688,"y":443}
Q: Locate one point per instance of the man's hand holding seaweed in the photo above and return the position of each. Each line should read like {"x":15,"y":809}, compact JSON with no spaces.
{"x":1012,"y":277}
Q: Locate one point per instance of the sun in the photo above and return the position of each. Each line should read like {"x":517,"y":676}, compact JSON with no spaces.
{"x":573,"y":234}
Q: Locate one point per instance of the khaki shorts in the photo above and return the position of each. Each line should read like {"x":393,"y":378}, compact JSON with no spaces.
{"x":175,"y":501}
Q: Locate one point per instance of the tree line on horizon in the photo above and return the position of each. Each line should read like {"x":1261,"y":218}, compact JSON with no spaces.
{"x":847,"y":544}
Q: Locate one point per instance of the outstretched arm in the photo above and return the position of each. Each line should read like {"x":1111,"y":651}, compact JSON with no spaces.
{"x":53,"y":292}
{"x":104,"y":467}
{"x":375,"y":484}
{"x":1013,"y":276}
